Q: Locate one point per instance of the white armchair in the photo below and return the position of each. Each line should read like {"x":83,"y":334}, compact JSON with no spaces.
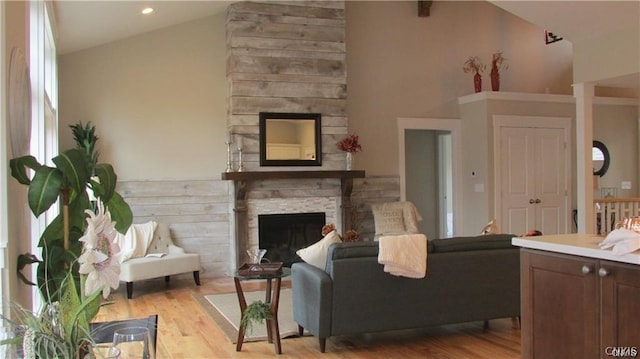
{"x":162,"y":259}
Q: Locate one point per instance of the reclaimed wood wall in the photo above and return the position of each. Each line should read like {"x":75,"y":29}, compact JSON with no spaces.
{"x":197,"y":211}
{"x":287,"y":56}
{"x":200,"y":214}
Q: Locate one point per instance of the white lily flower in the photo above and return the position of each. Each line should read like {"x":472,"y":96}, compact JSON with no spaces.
{"x":99,"y":259}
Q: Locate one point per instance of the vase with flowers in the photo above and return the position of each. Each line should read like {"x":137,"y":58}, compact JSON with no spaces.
{"x":350,"y":145}
{"x":79,"y":254}
{"x":474,"y":65}
{"x":497,"y":63}
{"x":349,"y":236}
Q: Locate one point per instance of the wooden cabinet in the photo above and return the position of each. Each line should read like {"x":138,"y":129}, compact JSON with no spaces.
{"x":577,"y":307}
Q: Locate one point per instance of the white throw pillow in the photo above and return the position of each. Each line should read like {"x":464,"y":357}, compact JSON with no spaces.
{"x":135,"y":242}
{"x":316,"y":254}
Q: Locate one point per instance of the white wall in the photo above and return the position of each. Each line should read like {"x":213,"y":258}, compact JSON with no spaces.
{"x":158,"y":100}
{"x":402,"y":65}
{"x":16,"y":16}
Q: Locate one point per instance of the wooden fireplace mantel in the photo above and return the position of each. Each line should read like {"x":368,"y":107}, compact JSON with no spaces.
{"x":241,"y":180}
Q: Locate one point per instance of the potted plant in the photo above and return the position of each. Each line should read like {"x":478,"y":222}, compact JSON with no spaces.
{"x":79,"y":254}
{"x":255,"y":313}
{"x":474,"y":65}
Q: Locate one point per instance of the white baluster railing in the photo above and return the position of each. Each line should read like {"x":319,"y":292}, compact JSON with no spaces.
{"x":608,"y":211}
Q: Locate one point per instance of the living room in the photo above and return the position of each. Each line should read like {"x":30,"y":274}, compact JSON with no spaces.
{"x":160,"y":103}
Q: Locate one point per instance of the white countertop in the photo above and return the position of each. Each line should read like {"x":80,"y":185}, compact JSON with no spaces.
{"x":585,"y":245}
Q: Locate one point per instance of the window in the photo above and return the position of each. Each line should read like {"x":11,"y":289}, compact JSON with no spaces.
{"x":44,"y":117}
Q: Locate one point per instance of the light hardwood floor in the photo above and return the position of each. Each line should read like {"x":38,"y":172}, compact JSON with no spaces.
{"x":186,"y":330}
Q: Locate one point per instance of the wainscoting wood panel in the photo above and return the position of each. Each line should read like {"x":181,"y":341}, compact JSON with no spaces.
{"x":367,"y":191}
{"x":198,"y":213}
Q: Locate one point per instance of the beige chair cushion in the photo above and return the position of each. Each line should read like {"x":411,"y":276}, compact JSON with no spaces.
{"x":173,"y":260}
{"x":146,"y":268}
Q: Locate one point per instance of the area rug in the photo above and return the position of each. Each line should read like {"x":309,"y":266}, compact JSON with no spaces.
{"x":225,"y":311}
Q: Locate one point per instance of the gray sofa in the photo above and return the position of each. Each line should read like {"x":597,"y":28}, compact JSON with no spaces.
{"x":468,"y":279}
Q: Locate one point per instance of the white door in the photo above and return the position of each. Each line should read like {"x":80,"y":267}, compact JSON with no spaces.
{"x":533,"y":193}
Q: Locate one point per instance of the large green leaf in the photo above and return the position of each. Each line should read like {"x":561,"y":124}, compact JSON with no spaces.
{"x":108,"y":179}
{"x":77,"y":208}
{"x":120,"y":212}
{"x":19,"y":168}
{"x":74,"y":165}
{"x":23,"y":261}
{"x":44,"y":189}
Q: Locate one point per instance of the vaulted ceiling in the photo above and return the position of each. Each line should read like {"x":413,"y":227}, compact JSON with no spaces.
{"x":84,"y":24}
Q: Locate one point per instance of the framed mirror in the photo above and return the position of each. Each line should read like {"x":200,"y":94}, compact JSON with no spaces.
{"x":290,"y":139}
{"x":600,"y":158}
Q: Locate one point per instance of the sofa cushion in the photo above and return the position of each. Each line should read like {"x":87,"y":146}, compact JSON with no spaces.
{"x":316,"y":254}
{"x":460,"y":244}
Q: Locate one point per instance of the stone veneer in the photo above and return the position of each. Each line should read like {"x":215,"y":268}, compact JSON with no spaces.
{"x":287,"y":56}
{"x":328,"y":205}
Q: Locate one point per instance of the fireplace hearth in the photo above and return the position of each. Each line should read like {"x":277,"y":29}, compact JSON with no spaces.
{"x":283,"y":234}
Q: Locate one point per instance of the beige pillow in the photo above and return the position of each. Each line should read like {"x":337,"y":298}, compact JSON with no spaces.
{"x":388,"y":218}
{"x":490,"y":228}
{"x":316,"y":254}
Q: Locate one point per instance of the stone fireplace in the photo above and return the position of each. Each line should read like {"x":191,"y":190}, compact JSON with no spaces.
{"x":287,"y":192}
{"x":282,"y":234}
{"x":287,"y":57}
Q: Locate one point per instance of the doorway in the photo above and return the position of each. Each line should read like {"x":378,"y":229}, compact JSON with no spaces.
{"x":532,"y":171}
{"x":429,"y":172}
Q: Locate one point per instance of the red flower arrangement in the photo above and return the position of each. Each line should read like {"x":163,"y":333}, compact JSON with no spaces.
{"x":349,"y":236}
{"x":350,"y":144}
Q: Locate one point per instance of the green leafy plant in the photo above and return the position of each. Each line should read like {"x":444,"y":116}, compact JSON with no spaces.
{"x":79,"y":251}
{"x":67,"y":184}
{"x":256,"y":313}
{"x":86,"y":139}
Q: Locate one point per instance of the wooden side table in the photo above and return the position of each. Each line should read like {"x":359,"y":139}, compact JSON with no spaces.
{"x":272,"y":297}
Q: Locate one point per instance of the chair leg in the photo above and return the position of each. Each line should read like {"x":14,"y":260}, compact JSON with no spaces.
{"x":485,"y":326}
{"x":323,"y":344}
{"x":129,"y":290}
{"x":196,"y":277}
{"x":166,"y":280}
{"x":300,"y":330}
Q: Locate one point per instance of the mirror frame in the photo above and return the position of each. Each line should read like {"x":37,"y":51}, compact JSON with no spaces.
{"x":605,"y":152}
{"x":264,"y":119}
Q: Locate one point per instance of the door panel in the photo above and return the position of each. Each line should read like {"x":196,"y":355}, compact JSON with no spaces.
{"x":516,"y":153}
{"x":550,"y":181}
{"x":533,"y":179}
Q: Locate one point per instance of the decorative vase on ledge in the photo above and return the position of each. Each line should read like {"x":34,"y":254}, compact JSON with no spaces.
{"x":495,"y":80}
{"x":349,"y":160}
{"x":477,"y":82}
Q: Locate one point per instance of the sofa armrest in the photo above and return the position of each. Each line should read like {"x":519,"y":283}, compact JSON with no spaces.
{"x":312,"y":298}
{"x":173,"y":249}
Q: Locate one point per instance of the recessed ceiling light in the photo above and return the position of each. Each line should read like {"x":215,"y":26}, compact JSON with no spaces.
{"x":147,"y":10}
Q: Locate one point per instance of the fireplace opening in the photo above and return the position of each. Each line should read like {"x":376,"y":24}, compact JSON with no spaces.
{"x":283,"y":234}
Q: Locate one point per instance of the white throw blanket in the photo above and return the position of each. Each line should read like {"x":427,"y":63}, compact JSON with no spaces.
{"x":135,"y":242}
{"x":404,"y":255}
{"x":622,"y":241}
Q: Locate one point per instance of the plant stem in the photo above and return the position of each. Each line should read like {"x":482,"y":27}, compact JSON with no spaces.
{"x":65,"y":217}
